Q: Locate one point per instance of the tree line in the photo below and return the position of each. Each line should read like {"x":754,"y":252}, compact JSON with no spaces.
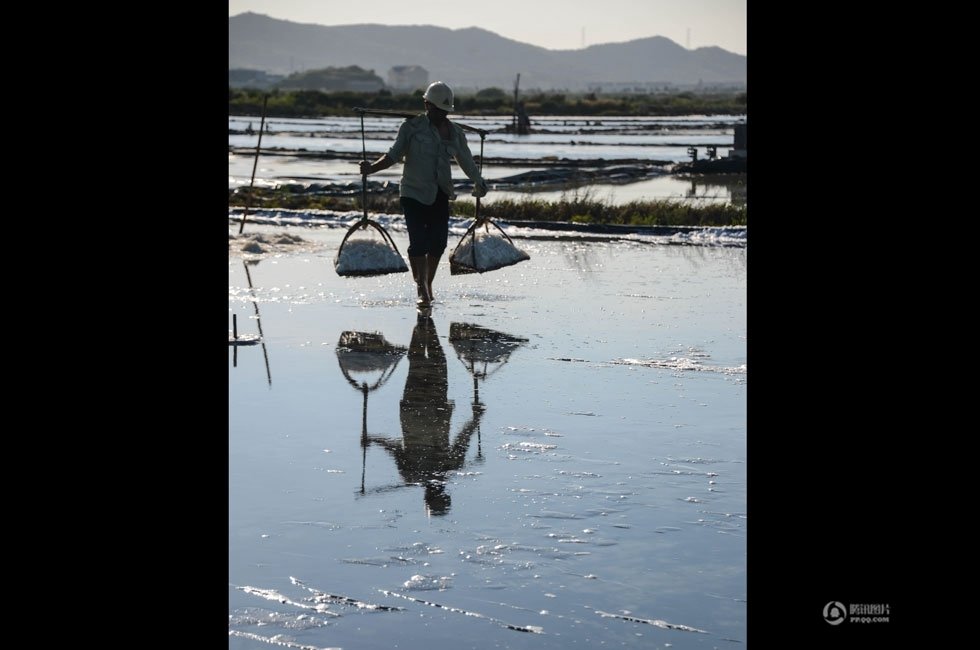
{"x":488,"y":101}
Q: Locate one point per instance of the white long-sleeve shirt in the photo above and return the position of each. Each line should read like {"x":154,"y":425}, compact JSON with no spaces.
{"x":427,"y":159}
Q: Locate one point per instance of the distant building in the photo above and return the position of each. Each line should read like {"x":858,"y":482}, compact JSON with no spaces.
{"x":408,"y":78}
{"x":331,"y":80}
{"x":629,"y":87}
{"x":246,"y":78}
{"x":659,"y":87}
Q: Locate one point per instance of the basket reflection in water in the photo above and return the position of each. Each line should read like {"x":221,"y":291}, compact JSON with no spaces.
{"x":367,"y":353}
{"x":426,"y":455}
{"x":483,"y":351}
{"x":363,"y":356}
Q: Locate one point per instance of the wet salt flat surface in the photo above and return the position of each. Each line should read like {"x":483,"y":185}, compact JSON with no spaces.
{"x":564,"y":466}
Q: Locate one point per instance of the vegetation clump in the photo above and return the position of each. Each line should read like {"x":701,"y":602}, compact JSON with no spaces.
{"x":572,"y":209}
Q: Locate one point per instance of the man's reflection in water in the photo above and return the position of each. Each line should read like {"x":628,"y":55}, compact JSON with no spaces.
{"x":425,"y":455}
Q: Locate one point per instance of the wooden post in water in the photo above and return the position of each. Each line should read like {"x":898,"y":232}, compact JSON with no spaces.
{"x":258,"y":320}
{"x":515,"y":121}
{"x":258,"y":147}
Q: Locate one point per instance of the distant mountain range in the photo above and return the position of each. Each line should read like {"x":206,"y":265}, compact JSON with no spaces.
{"x":474,"y":58}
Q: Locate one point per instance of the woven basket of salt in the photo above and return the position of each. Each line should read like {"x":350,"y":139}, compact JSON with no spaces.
{"x":481,"y":250}
{"x":368,"y":253}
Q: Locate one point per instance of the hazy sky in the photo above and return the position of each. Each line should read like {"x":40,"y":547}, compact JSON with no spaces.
{"x":552,"y":24}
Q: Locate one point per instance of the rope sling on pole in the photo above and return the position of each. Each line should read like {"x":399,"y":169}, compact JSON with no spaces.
{"x":501,"y":252}
{"x":365,"y":256}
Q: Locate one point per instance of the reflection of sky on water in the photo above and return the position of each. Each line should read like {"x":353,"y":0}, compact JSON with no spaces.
{"x":610,"y":495}
{"x":549,"y":124}
{"x":653,"y":139}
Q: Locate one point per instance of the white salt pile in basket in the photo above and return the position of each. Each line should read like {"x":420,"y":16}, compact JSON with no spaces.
{"x":492,"y":252}
{"x":368,"y":257}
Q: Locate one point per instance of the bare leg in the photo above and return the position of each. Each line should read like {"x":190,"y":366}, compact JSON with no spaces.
{"x":420,"y":273}
{"x":432,"y":262}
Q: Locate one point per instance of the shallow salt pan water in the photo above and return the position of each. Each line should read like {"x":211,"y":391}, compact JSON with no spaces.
{"x":556,"y":458}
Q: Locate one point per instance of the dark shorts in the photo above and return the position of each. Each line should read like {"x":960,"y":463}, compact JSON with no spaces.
{"x":428,"y":225}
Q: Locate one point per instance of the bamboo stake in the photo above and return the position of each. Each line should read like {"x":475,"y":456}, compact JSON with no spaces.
{"x":255,"y":164}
